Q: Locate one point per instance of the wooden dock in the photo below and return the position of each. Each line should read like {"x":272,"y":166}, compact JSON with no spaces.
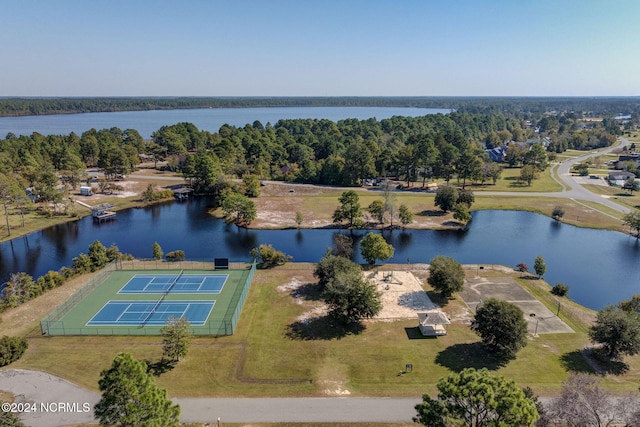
{"x":182,"y":193}
{"x":104,"y":216}
{"x":100,"y":213}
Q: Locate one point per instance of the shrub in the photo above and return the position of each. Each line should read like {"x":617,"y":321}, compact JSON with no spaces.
{"x":67,"y":272}
{"x":557,"y":212}
{"x":11,"y":349}
{"x":175,"y":255}
{"x":8,"y":419}
{"x":560,"y":290}
{"x":157,"y":251}
{"x":269,"y":256}
{"x":113,"y":253}
{"x":82,"y":264}
{"x":51,"y":280}
{"x":522,"y":267}
{"x":164,"y":194}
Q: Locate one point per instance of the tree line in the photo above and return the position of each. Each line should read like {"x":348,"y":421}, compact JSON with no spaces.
{"x":22,"y":287}
{"x":602,"y":106}
{"x":305,"y":150}
{"x":348,"y":152}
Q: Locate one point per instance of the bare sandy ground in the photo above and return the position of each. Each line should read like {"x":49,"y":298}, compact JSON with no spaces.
{"x":403,"y":296}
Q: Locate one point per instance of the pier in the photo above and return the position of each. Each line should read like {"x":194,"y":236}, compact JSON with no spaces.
{"x":100,"y":213}
{"x":182,"y":193}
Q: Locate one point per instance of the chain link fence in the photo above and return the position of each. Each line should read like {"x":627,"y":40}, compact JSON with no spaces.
{"x":53,"y":323}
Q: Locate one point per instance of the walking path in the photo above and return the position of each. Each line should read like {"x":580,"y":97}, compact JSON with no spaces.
{"x":53,"y":401}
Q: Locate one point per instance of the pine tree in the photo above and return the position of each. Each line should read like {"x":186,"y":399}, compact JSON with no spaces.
{"x":130,"y":397}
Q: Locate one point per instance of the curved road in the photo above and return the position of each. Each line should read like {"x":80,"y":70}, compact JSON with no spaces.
{"x":572,"y":189}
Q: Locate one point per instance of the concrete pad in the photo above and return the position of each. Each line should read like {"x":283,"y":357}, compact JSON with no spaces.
{"x":502,"y":288}
{"x":540,"y":320}
{"x":544,"y":321}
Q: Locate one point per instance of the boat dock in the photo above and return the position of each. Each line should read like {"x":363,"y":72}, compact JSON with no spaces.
{"x":100,"y":213}
{"x":182,"y":193}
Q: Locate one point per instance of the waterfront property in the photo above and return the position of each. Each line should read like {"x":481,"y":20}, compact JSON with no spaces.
{"x":101,"y":213}
{"x":127,"y":299}
{"x":182,"y":193}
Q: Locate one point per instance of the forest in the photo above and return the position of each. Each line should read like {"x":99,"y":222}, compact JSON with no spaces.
{"x":508,"y":106}
{"x":317,"y":151}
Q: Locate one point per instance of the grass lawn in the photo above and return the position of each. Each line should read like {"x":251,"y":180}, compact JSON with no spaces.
{"x":578,"y":214}
{"x":269,"y":356}
{"x":618,"y":194}
{"x":509,"y":181}
{"x":35,"y":220}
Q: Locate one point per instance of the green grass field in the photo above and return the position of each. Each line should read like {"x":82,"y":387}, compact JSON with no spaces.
{"x":74,"y":322}
{"x":510,"y":181}
{"x":265,"y":357}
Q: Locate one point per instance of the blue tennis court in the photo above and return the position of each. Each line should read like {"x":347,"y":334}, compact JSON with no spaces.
{"x":175,"y":284}
{"x":152,"y":313}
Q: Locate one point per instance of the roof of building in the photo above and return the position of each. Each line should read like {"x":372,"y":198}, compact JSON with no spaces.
{"x":433,"y":318}
{"x":621,"y":175}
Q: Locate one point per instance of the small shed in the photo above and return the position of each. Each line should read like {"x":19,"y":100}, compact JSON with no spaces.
{"x":431,"y":323}
{"x":86,"y":191}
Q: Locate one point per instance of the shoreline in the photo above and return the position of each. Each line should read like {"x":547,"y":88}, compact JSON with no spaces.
{"x":448,"y":222}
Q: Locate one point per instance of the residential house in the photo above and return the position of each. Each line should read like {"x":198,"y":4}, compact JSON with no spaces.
{"x":619,"y":177}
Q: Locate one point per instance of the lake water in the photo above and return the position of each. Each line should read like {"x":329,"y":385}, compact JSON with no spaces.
{"x":210,"y":119}
{"x":600,"y":267}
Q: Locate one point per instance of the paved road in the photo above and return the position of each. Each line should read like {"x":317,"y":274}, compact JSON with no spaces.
{"x":40,"y":388}
{"x":59,"y":402}
{"x":572,"y":189}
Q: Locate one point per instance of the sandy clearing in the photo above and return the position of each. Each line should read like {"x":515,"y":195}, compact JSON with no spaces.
{"x":403,"y":296}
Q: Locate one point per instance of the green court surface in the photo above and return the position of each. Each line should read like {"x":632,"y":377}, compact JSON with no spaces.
{"x":72,"y":317}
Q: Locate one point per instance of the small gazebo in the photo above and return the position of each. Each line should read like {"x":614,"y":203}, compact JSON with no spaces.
{"x":432,"y":323}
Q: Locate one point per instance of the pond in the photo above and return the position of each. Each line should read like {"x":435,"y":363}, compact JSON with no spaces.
{"x":600,"y":267}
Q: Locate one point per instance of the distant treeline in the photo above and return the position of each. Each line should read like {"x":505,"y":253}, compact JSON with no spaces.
{"x":315,"y":151}
{"x":509,"y":106}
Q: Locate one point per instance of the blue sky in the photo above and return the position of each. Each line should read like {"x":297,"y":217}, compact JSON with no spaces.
{"x":319,"y":48}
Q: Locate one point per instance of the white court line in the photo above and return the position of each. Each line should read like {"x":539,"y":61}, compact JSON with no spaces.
{"x":122,"y":313}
